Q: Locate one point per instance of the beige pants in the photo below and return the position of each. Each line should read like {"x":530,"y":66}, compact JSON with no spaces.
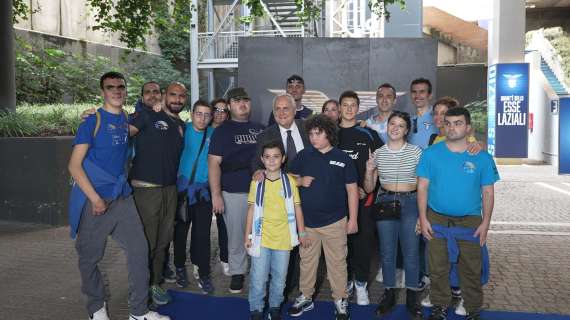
{"x":332,"y":239}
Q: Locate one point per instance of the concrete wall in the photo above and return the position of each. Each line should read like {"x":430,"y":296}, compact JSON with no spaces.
{"x":548,"y":18}
{"x":34,"y":182}
{"x":74,"y":20}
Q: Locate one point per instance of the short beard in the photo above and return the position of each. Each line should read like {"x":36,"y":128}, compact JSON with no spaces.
{"x":174,"y":111}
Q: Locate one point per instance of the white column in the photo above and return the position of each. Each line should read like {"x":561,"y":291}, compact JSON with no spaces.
{"x":194,"y":84}
{"x":507,"y":32}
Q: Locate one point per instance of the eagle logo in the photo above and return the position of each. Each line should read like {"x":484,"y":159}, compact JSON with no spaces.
{"x":512,"y":79}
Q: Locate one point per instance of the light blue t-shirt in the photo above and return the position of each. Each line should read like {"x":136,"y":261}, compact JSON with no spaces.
{"x":381,"y":127}
{"x":192,"y":141}
{"x":422,"y":128}
{"x":108,"y":149}
{"x":455,"y":179}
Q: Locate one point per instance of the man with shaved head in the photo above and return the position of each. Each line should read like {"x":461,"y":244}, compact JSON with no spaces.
{"x":158,"y":146}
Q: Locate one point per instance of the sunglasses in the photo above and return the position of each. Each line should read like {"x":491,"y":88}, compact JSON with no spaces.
{"x":221,"y":110}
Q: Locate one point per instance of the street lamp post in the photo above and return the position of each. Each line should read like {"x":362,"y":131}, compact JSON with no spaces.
{"x":7,"y":67}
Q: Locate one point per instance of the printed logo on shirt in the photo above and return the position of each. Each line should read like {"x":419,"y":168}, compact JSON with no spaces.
{"x":161,"y":125}
{"x":337,"y":163}
{"x":427,"y":125}
{"x":469,"y":167}
{"x":250,"y":138}
{"x":353,"y":155}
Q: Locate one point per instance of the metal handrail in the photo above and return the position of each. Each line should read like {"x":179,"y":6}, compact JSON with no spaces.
{"x":540,"y":43}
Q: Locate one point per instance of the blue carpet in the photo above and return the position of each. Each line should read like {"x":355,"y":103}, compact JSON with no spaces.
{"x":187,"y":305}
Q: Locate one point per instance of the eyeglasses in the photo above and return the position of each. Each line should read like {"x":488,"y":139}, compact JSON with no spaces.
{"x":221,"y":110}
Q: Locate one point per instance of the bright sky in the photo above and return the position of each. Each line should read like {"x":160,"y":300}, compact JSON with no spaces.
{"x":468,"y":10}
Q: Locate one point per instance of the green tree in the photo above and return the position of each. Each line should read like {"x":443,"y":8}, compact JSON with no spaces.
{"x":134,"y":20}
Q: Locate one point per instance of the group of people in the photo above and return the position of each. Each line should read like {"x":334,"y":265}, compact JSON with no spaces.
{"x":285,"y":194}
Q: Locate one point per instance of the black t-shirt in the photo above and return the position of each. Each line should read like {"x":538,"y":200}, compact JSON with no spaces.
{"x":357,"y":142}
{"x":236,"y":143}
{"x":158,"y":147}
{"x":325,"y":201}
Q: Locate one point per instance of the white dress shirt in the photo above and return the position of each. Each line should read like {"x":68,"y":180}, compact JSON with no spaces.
{"x":296,"y":137}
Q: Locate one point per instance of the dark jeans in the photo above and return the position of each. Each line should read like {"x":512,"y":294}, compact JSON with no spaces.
{"x":200,"y":217}
{"x":222,"y":237}
{"x":468,"y":264}
{"x":360,"y":245}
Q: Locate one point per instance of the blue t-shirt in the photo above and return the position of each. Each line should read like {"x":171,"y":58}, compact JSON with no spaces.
{"x":192,"y":142}
{"x":236,"y":143}
{"x":455,"y":179}
{"x":425,"y":128}
{"x":325,"y":201}
{"x":108,"y":149}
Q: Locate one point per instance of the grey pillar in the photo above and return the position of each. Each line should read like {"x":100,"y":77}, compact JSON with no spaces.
{"x":7,"y":67}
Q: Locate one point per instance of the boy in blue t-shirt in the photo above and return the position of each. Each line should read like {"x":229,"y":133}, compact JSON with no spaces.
{"x":101,"y":203}
{"x":454,"y":187}
{"x":327,"y":181}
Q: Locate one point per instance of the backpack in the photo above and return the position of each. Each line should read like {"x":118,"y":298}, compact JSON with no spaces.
{"x":98,"y":121}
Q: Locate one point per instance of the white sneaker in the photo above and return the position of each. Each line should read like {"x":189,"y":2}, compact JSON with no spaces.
{"x":426,"y":301}
{"x":100,"y":314}
{"x":195,"y":272}
{"x":361,"y":293}
{"x":151,"y":315}
{"x":226,"y":268}
{"x":379,"y":276}
{"x":460,"y":309}
{"x":400,"y":278}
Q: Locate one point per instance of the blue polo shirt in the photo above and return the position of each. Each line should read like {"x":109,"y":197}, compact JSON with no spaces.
{"x":108,"y":149}
{"x":422,"y":129}
{"x":455,"y":179}
{"x":325,"y":201}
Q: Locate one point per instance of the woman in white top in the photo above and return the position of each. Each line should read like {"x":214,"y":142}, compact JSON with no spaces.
{"x":394,"y":164}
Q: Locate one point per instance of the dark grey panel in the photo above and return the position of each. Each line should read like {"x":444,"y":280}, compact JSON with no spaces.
{"x":467,"y":83}
{"x":265,"y":63}
{"x":399,"y":61}
{"x":332,"y":65}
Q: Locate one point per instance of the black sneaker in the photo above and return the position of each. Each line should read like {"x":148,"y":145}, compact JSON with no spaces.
{"x":274,"y":314}
{"x":256,"y":315}
{"x":236,"y":285}
{"x":168,"y":275}
{"x":474,"y":315}
{"x":181,"y":277}
{"x":438,"y":313}
{"x":301,"y":305}
{"x":341,"y":309}
{"x":387,"y":303}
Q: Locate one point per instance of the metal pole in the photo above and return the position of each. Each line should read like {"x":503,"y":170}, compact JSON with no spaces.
{"x":7,"y":67}
{"x":194,"y":85}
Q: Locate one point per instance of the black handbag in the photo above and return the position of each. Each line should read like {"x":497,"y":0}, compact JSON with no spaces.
{"x":387,"y":210}
{"x":182,"y":201}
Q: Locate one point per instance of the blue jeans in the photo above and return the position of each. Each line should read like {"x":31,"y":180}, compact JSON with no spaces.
{"x":404,"y":230}
{"x":269,"y":261}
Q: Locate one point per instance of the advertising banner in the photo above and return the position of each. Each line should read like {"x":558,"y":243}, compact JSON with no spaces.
{"x":564,"y":136}
{"x":508,"y":110}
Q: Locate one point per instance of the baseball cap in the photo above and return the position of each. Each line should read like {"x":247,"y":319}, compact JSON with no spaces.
{"x":237,"y":93}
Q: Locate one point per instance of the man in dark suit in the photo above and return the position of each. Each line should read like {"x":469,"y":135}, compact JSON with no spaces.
{"x":287,"y":130}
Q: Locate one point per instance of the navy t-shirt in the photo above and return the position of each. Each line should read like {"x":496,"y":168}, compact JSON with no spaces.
{"x":108,"y":149}
{"x":357,"y":142}
{"x":325,"y":201}
{"x":158,"y":147}
{"x":236,"y":143}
